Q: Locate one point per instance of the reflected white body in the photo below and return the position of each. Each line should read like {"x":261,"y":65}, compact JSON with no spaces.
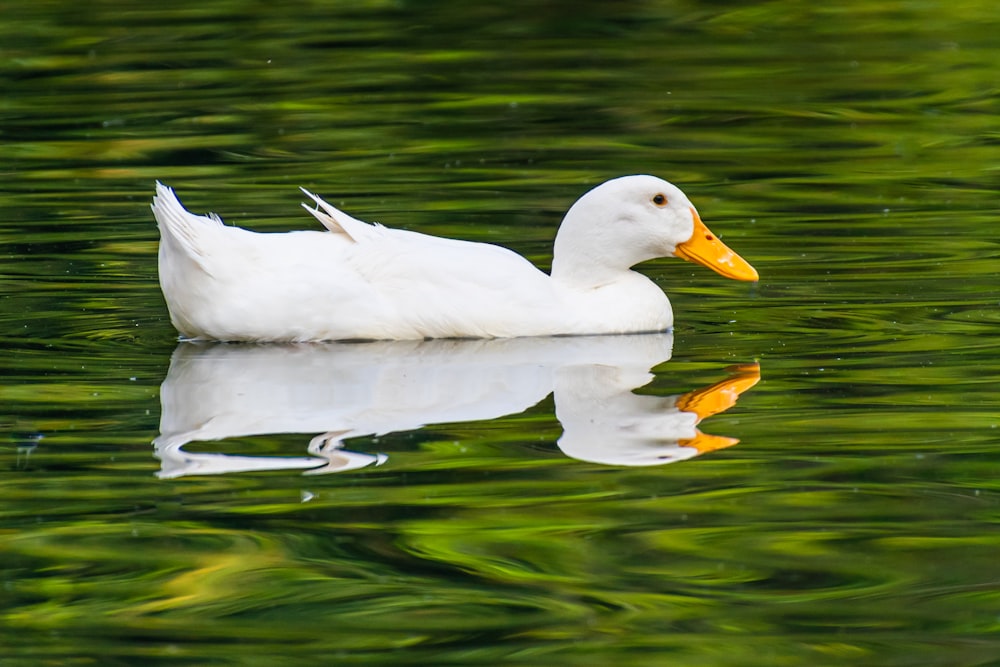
{"x":215,"y":391}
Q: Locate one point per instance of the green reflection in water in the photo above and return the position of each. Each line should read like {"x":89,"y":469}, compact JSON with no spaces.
{"x":848,"y":151}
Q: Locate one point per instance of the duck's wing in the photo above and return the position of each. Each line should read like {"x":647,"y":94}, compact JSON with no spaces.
{"x":338,"y":222}
{"x":450,"y":288}
{"x":439,"y":287}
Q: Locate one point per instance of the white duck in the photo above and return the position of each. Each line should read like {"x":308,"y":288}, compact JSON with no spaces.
{"x":363,"y":281}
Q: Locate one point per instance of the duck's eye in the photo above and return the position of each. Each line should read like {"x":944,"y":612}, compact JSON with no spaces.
{"x":660,"y":200}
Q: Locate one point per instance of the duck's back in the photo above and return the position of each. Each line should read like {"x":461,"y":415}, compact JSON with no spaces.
{"x":227,"y":283}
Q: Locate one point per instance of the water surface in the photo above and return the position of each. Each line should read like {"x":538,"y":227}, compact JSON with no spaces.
{"x":848,"y":151}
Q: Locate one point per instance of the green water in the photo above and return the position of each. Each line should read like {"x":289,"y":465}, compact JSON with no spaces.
{"x":850,"y":152}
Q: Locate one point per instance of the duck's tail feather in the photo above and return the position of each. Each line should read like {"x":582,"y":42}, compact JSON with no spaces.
{"x":179,"y":226}
{"x":337,"y":221}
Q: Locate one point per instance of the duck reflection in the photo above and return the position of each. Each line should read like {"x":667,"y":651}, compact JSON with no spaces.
{"x":346,"y":390}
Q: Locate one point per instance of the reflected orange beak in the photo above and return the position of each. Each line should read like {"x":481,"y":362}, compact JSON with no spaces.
{"x":706,"y":249}
{"x":715,"y":399}
{"x":705,"y":442}
{"x":723,"y":394}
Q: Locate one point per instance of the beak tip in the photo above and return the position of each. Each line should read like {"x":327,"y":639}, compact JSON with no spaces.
{"x":708,"y":250}
{"x":741,"y":270}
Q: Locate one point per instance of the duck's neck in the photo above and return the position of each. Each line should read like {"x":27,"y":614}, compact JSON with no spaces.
{"x":585,"y":258}
{"x":581,"y":267}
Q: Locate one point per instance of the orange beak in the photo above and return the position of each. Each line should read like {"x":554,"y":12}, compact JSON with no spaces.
{"x":706,"y":249}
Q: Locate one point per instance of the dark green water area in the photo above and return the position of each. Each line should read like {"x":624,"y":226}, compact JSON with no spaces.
{"x":469,"y":503}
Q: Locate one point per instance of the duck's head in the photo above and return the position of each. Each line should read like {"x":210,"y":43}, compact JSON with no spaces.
{"x":631,"y":219}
